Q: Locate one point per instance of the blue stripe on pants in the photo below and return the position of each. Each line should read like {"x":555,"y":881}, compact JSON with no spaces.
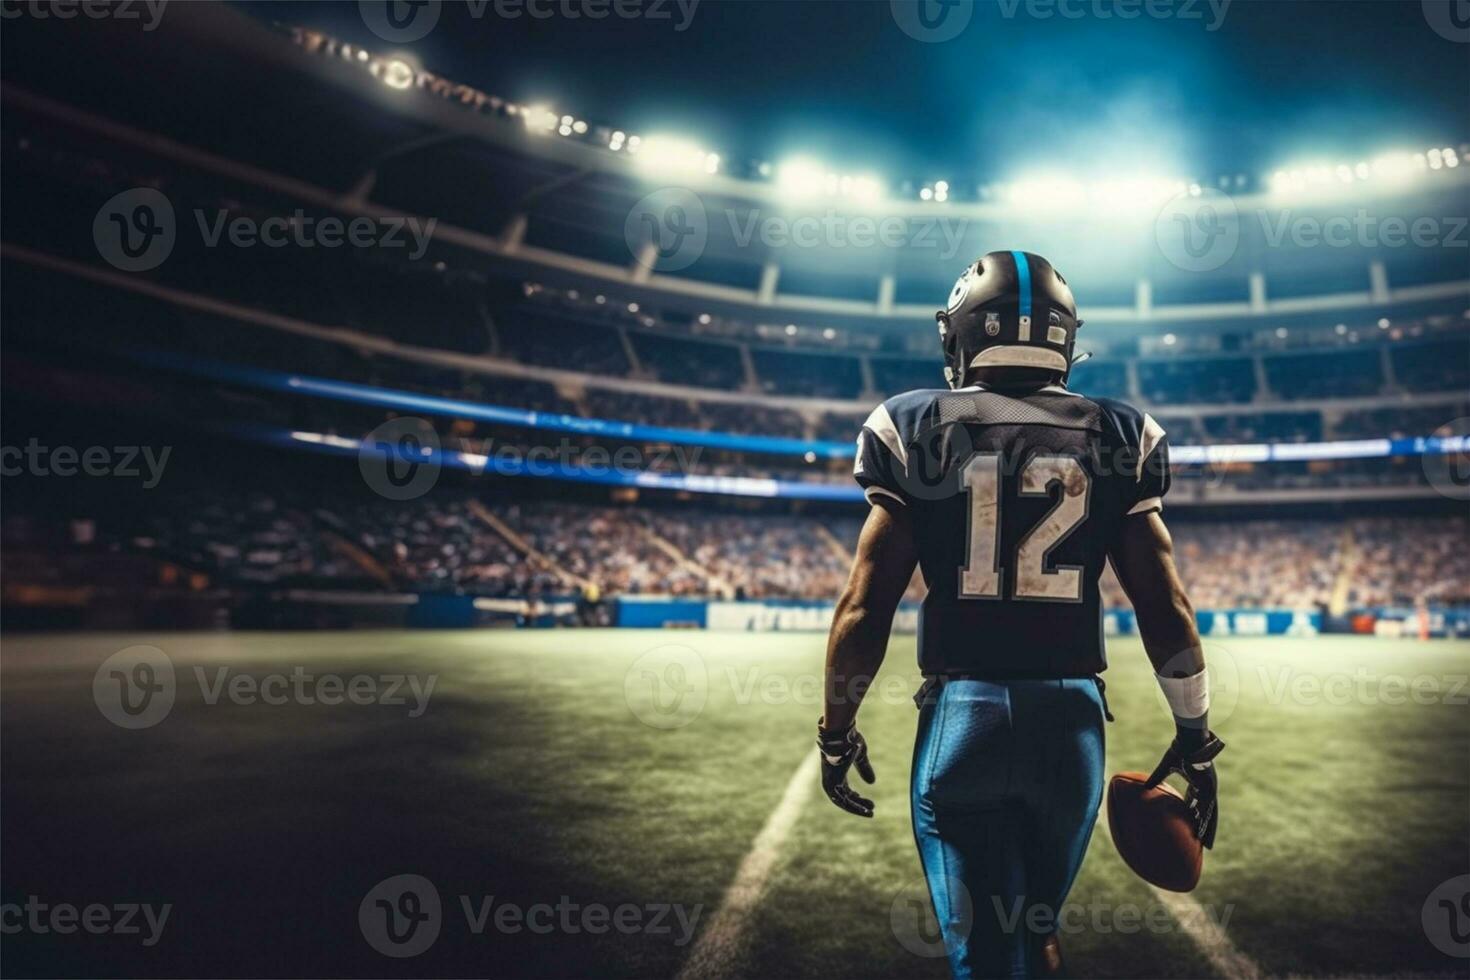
{"x":1007,"y":779}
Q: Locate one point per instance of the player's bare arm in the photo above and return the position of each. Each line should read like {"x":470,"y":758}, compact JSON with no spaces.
{"x":881,"y":570}
{"x":1143,"y":558}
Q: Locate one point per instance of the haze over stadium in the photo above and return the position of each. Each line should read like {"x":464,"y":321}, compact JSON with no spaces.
{"x":385,"y":384}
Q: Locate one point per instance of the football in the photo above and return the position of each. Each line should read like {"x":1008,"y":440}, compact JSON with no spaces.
{"x":1152,"y":831}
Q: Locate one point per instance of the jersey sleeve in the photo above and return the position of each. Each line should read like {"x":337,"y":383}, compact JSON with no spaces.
{"x":880,"y":461}
{"x":1151,"y":477}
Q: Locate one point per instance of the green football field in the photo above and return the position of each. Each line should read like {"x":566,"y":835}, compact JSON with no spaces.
{"x":583,"y":801}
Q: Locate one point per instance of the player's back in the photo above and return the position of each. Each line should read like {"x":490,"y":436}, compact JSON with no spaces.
{"x":1014,"y":497}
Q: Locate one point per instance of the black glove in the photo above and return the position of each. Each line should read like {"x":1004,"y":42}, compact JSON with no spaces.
{"x":840,"y":751}
{"x":1197,"y":766}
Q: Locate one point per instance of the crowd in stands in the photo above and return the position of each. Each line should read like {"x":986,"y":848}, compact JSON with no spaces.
{"x":1401,"y":561}
{"x":1288,"y":564}
{"x":449,"y":543}
{"x":437,"y":548}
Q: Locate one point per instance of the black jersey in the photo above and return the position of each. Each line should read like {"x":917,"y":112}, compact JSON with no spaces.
{"x":1015,"y":498}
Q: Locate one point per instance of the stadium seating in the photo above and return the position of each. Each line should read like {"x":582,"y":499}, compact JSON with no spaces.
{"x":690,"y":362}
{"x":1197,"y":382}
{"x":441,"y":543}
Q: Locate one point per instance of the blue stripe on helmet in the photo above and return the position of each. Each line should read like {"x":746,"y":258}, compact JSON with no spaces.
{"x":1023,"y":275}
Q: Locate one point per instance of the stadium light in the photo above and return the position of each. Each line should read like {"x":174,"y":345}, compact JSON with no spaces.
{"x":539,"y":119}
{"x":1046,"y":192}
{"x":672,"y":155}
{"x":802,"y":179}
{"x":1389,"y":168}
{"x":1137,"y":193}
{"x":1396,"y":166}
{"x":398,"y":74}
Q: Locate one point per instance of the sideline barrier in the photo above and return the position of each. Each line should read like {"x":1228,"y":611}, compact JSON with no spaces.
{"x":800,"y":616}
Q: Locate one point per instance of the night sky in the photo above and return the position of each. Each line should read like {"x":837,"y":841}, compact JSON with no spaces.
{"x":1275,"y":82}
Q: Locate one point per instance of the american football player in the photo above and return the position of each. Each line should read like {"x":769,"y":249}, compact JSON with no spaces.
{"x":1009,"y":491}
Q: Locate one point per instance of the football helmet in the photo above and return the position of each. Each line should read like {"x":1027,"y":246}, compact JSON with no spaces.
{"x":1008,"y":309}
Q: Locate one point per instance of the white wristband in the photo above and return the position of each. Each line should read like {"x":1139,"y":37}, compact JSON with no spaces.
{"x":1188,"y":697}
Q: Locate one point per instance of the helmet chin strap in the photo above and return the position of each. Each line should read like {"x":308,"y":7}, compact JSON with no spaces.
{"x":956,"y":377}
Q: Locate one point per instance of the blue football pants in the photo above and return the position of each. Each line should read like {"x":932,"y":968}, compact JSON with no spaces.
{"x":1007,"y":779}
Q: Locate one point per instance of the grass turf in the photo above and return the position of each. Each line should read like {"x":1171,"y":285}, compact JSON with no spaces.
{"x":609,"y":768}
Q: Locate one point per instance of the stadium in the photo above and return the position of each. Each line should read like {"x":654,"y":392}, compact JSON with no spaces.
{"x":471,"y":484}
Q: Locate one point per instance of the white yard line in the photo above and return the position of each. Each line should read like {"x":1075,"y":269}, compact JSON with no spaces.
{"x":718,"y":949}
{"x":1200,"y":924}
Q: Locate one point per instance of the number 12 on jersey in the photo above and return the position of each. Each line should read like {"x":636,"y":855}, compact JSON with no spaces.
{"x":982,"y":575}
